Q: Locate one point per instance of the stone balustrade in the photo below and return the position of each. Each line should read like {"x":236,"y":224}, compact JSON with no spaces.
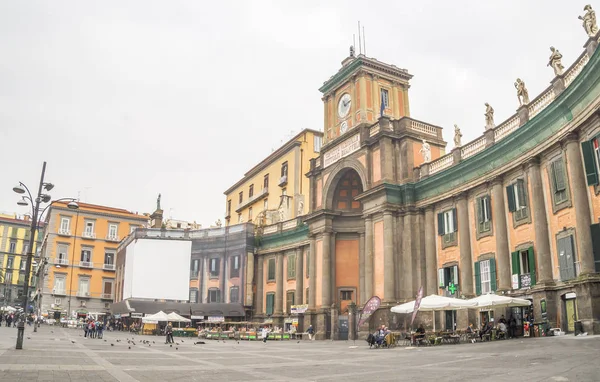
{"x":473,"y":147}
{"x":423,"y":128}
{"x":506,"y":127}
{"x":541,"y":102}
{"x":441,"y":163}
{"x":575,"y":69}
{"x":374,"y":130}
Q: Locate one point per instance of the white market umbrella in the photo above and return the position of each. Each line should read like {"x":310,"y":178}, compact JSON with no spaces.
{"x":177,"y":318}
{"x":434,"y":303}
{"x":153,"y":318}
{"x":496,"y":301}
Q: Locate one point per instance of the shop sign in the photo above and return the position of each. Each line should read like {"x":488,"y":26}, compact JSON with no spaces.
{"x":137,"y":315}
{"x":298,"y":309}
{"x":197,"y":317}
{"x":125,"y":315}
{"x":117,"y":316}
{"x":216,"y":319}
{"x":342,"y":150}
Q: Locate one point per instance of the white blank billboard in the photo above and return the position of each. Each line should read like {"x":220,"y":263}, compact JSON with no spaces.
{"x":157,"y":269}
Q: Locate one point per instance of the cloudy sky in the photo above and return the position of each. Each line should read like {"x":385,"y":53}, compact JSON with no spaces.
{"x":126,"y":99}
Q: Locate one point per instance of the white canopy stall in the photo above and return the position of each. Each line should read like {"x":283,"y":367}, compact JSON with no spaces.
{"x":434,"y":303}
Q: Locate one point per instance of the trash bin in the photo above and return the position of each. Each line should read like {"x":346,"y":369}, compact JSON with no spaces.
{"x":578,"y":327}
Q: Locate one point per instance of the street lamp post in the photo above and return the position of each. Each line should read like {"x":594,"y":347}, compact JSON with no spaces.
{"x":35,"y":204}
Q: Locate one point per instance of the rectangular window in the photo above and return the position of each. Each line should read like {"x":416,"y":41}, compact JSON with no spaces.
{"x":239,"y":218}
{"x":241,"y":197}
{"x":251,"y":191}
{"x":229,"y":207}
{"x":271,"y":270}
{"x":291,"y":267}
{"x":447,"y":226}
{"x":270,"y":303}
{"x":484,"y":214}
{"x":484,"y":271}
{"x":284,"y":169}
{"x":86,"y":256}
{"x":62,"y":256}
{"x":8,"y":279}
{"x":559,"y":181}
{"x":25,"y":248}
{"x":523,"y":268}
{"x":59,"y":284}
{"x":566,"y":258}
{"x":65,"y":224}
{"x":250,"y":214}
{"x":516,"y":194}
{"x":194,"y":264}
{"x":10,"y":262}
{"x":266,"y":182}
{"x":89,"y":229}
{"x":385,"y":97}
{"x":234,"y":268}
{"x":290,"y":296}
{"x":346,"y":295}
{"x":214,"y":267}
{"x":591,"y":160}
{"x":113,"y":231}
{"x":193,"y":296}
{"x":12,"y":247}
{"x":109,"y":258}
{"x":107,"y":288}
{"x":84,"y":287}
{"x":23,"y":263}
{"x":214,"y":295}
{"x":234,"y":294}
{"x":317,"y":143}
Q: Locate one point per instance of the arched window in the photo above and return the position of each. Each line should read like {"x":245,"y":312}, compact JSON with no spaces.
{"x":348,"y":188}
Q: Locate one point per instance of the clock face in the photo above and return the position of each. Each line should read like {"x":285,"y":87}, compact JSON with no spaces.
{"x":344,"y":105}
{"x":344,"y":127}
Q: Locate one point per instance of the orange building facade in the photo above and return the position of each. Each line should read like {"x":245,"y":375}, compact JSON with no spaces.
{"x":80,"y":249}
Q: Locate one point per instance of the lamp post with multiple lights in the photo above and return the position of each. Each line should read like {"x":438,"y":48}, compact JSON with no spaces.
{"x":26,"y":200}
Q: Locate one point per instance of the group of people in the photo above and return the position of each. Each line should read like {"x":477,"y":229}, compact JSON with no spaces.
{"x":380,"y":334}
{"x":93,"y":329}
{"x":505,"y":329}
{"x":9,"y":319}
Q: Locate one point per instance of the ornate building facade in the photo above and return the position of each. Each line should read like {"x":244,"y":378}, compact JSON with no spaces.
{"x":514,"y":212}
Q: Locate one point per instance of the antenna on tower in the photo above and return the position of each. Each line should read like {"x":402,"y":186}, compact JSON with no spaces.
{"x":359,"y":44}
{"x":364,"y":42}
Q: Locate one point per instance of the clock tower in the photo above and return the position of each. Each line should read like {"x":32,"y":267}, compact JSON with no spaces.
{"x":353,"y":96}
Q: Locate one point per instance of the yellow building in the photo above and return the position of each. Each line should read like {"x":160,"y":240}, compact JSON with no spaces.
{"x":80,"y":247}
{"x":14,"y":244}
{"x":275,"y":189}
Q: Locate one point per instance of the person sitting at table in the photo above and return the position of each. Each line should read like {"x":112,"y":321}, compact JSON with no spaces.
{"x":502,"y":330}
{"x":487,"y":329}
{"x":380,"y":335}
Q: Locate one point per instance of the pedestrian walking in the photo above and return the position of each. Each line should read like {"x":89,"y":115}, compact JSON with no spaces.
{"x":169,"y":331}
{"x":310,"y":331}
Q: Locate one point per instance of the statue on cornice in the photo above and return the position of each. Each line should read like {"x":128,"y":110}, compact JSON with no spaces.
{"x":589,"y":21}
{"x":555,"y":61}
{"x":158,"y":203}
{"x":426,"y":152}
{"x":489,"y":116}
{"x":218,"y":223}
{"x":522,"y":93}
{"x":351,"y":50}
{"x":457,"y":136}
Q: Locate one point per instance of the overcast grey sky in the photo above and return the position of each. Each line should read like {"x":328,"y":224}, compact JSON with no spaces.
{"x":126,"y":99}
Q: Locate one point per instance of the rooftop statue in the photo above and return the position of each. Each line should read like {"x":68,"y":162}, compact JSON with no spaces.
{"x":555,"y":61}
{"x":589,"y":21}
{"x":489,"y":116}
{"x":522,"y":93}
{"x":457,"y":136}
{"x":426,"y":152}
{"x":158,"y":203}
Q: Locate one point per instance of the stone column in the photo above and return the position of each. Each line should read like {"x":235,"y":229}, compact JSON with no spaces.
{"x":312,"y":275}
{"x":278,"y":311}
{"x":299,"y":294}
{"x":388,"y":257}
{"x":581,"y":205}
{"x":406,"y":282}
{"x":419,"y":251}
{"x":430,"y":254}
{"x":464,"y":242}
{"x":361,"y":269}
{"x":543,"y":256}
{"x":368,"y":258}
{"x":332,"y":290}
{"x":260,"y":309}
{"x":222,"y":284}
{"x":326,"y":264}
{"x":501,"y":233}
{"x":398,"y":255}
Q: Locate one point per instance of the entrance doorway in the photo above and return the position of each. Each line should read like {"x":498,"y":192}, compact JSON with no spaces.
{"x":343,"y":327}
{"x":450,"y":319}
{"x":570,"y":311}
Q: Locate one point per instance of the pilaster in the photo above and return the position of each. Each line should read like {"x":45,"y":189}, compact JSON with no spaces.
{"x":388,"y":256}
{"x":406,"y":280}
{"x":278,"y":311}
{"x":501,"y":233}
{"x":430,"y":252}
{"x":259,"y":309}
{"x":299,"y":293}
{"x":326,"y":274}
{"x":368,"y":258}
{"x":464,"y":242}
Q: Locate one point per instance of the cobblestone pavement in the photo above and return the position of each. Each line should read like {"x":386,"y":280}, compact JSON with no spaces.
{"x":57,"y":354}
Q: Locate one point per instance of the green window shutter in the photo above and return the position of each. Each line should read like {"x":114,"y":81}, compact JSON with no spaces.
{"x":516,"y":266}
{"x":441,"y":282}
{"x":510,"y":196}
{"x":493,"y":274}
{"x":591,"y":172}
{"x":596,"y":244}
{"x":455,"y":220}
{"x":522,"y":193}
{"x":531,"y":257}
{"x":477,"y":279}
{"x":489,"y":207}
{"x":558,"y":172}
{"x":480,"y":201}
{"x":441,"y":224}
{"x":270,"y":303}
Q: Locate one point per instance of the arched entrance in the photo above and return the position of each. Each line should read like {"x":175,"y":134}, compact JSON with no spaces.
{"x":346,"y":191}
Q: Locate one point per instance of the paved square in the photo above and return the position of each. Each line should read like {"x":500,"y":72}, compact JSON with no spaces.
{"x":57,"y":354}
